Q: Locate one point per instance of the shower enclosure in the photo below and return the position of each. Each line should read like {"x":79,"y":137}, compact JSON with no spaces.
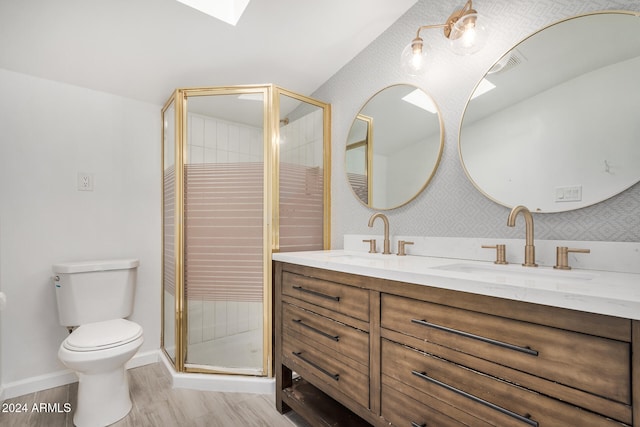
{"x":245,"y":174}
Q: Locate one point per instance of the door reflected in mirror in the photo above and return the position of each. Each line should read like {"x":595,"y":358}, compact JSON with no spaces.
{"x":359,"y":157}
{"x":394,"y":147}
{"x":559,"y":131}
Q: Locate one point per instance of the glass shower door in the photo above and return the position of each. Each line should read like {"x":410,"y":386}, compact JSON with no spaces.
{"x":168,"y":231}
{"x":224,"y":223}
{"x":238,"y":185}
{"x":303,"y":162}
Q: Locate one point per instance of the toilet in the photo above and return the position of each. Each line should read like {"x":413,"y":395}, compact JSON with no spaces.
{"x":94,"y":298}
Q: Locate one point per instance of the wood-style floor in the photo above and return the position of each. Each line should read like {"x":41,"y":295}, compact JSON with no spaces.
{"x":155,"y":404}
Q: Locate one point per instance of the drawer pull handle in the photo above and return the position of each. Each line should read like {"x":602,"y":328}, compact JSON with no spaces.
{"x":500,"y":409}
{"x":414,"y":424}
{"x":298,"y":354}
{"x":316,"y":293}
{"x":526,"y":350}
{"x":317,"y":331}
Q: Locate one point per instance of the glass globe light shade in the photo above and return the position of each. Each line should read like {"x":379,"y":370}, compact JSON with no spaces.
{"x":469,"y":34}
{"x":414,"y":58}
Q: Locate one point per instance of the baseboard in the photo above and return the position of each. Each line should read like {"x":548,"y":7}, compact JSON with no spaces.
{"x":60,"y":378}
{"x":219,"y":382}
{"x":38,"y":383}
{"x":146,"y":358}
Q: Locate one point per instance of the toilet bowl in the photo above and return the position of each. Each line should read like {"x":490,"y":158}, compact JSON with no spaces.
{"x":98,"y":352}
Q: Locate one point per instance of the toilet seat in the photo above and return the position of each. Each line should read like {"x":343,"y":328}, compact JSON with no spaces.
{"x":103,"y":335}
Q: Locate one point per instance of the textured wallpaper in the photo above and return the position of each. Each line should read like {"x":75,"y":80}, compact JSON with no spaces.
{"x":451,"y":206}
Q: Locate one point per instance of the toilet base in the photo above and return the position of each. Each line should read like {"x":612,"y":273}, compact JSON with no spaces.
{"x":103,"y":385}
{"x":103,"y":398}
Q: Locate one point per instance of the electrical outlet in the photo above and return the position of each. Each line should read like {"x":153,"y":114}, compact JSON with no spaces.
{"x":85,"y":181}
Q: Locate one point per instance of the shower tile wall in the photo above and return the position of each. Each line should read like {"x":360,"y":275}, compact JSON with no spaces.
{"x":219,"y":141}
{"x":301,"y":141}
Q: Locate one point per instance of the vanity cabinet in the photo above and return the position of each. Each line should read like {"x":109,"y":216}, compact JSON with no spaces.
{"x":322,"y":333}
{"x":401,"y":354}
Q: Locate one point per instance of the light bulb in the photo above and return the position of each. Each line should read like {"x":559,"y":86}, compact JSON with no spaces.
{"x":468,"y":35}
{"x":414,"y":58}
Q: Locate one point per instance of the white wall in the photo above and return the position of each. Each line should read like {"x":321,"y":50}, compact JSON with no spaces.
{"x":50,"y":132}
{"x":2,"y":295}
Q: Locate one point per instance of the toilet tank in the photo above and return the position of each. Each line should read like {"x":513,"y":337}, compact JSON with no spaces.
{"x":94,"y":291}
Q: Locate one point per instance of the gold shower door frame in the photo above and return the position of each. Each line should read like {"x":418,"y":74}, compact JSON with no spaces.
{"x":271,"y":239}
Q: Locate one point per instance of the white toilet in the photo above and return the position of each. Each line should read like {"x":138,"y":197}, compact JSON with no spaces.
{"x":94,"y":297}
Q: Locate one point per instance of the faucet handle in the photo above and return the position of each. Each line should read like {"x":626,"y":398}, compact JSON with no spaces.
{"x":372,"y":245}
{"x":562,"y":256}
{"x":501,"y":253}
{"x":401,"y":245}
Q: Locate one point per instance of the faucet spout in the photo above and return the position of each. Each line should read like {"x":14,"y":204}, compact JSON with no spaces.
{"x":385,"y":220}
{"x":529,"y":248}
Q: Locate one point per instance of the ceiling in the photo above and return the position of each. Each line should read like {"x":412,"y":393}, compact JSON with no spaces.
{"x":143,"y":49}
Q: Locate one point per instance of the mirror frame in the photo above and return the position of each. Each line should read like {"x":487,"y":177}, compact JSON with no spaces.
{"x":370,"y":138}
{"x":566,"y":208}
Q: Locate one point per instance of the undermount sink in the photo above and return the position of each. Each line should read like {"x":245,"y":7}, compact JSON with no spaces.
{"x":517,"y":271}
{"x":352,"y":258}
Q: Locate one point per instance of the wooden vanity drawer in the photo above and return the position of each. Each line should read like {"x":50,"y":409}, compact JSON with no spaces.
{"x":597,"y":365}
{"x":403,"y":411}
{"x":336,"y":336}
{"x":344,"y":299}
{"x":331,"y":372}
{"x":490,"y":399}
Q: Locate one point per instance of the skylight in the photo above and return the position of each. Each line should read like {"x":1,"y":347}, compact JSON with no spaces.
{"x":483,"y":87}
{"x":422,"y":100}
{"x":228,"y":11}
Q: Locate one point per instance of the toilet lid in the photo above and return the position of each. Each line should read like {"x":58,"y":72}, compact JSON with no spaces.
{"x":103,"y":335}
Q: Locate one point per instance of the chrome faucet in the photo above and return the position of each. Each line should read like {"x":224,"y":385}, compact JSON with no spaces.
{"x":529,"y":248}
{"x":387,"y":243}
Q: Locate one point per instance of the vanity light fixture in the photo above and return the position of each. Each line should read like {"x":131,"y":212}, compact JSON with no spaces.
{"x":466,"y":33}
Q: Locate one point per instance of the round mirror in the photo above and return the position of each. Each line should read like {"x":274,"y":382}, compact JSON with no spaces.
{"x":394,"y":147}
{"x":554,"y":123}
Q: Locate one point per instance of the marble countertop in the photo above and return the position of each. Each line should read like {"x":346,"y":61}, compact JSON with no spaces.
{"x":595,"y":291}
